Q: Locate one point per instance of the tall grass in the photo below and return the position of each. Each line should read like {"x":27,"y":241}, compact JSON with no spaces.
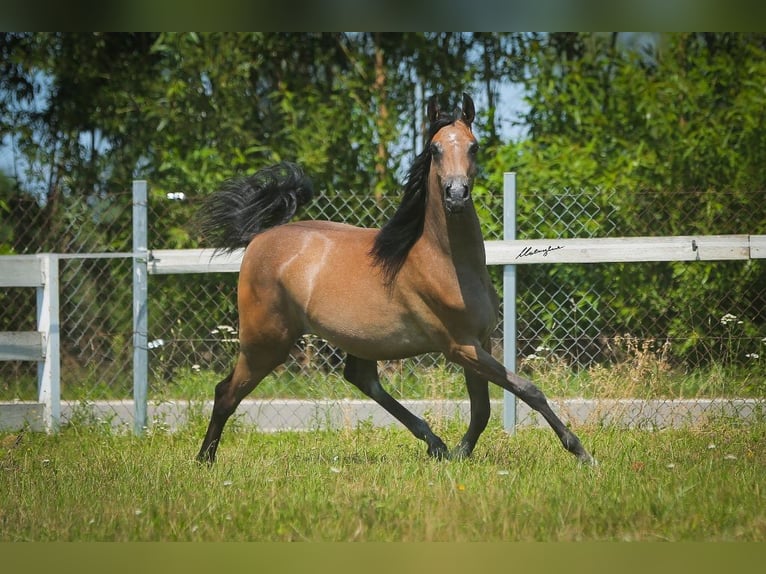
{"x":638,"y":368}
{"x":371,"y":484}
{"x":643,"y":369}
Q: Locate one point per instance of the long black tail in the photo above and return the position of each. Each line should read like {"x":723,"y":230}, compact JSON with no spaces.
{"x":244,"y":207}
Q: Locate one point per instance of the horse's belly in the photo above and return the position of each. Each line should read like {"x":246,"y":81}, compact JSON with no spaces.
{"x":368,"y":323}
{"x":377,"y":340}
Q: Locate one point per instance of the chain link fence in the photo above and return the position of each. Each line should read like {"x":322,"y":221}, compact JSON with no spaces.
{"x":648,"y":330}
{"x":654,"y":331}
{"x":93,"y":236}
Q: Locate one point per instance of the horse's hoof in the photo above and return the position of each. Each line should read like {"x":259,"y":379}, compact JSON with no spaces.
{"x":460,"y":452}
{"x":587,"y":459}
{"x":204,"y":459}
{"x":439,"y":452}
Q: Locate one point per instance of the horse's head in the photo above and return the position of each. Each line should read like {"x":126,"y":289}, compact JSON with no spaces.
{"x":453,"y":153}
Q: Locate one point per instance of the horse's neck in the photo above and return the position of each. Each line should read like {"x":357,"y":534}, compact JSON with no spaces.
{"x":457,"y":237}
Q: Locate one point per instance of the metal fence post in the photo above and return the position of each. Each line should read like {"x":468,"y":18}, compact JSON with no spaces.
{"x":140,"y":319}
{"x":509,"y":299}
{"x":49,"y":369}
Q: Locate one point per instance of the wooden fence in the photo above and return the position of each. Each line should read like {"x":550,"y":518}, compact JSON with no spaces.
{"x":42,"y":346}
{"x":510,"y":253}
{"x":41,"y":272}
{"x":524,"y":251}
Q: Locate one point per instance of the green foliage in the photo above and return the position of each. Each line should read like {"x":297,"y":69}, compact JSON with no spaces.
{"x":665,"y":131}
{"x":89,"y":112}
{"x":671,"y":139}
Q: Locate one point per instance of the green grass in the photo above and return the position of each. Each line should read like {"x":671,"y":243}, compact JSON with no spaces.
{"x":378,"y":485}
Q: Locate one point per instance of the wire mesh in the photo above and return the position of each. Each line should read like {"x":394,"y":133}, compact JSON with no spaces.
{"x":653,"y":330}
{"x":95,"y":295}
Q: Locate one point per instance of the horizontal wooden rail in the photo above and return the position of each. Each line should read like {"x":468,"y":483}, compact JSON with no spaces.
{"x":21,"y":271}
{"x":21,"y":346}
{"x":619,"y":249}
{"x":524,"y":251}
{"x":269,"y":415}
{"x":172,"y":261}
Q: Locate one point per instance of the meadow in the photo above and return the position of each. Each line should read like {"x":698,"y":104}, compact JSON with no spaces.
{"x":370,"y":484}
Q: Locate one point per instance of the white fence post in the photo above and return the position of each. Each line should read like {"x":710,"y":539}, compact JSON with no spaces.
{"x":49,"y":369}
{"x":140,"y":315}
{"x":509,"y":299}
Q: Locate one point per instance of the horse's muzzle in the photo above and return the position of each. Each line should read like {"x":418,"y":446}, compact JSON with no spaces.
{"x":457,"y":194}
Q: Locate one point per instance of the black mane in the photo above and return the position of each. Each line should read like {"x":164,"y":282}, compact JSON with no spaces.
{"x":399,"y":234}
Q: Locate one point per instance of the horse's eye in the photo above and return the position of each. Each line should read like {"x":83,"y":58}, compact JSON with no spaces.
{"x":436,"y":149}
{"x":474,"y":149}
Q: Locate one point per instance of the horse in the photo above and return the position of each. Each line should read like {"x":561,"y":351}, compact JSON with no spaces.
{"x":419,"y":284}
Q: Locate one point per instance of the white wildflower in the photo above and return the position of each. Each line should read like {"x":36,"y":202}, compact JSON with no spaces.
{"x":728,"y":318}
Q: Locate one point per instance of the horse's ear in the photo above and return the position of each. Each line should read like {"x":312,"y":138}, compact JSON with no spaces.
{"x":433,"y":108}
{"x":469,"y":111}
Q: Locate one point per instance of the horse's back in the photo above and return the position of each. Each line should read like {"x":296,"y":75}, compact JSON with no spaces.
{"x":302,"y":242}
{"x":300,"y":263}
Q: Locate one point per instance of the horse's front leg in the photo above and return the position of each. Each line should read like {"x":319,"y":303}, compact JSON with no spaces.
{"x":478,"y":393}
{"x":477,"y":359}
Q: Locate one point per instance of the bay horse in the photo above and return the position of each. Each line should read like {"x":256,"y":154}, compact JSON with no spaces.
{"x":419,"y":284}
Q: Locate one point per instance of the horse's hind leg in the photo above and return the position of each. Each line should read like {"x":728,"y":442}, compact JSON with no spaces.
{"x":248,"y":372}
{"x":364,"y":375}
{"x":221,"y":414}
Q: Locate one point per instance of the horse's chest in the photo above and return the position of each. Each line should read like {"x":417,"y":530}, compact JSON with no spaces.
{"x":472,"y":308}
{"x":483,"y":311}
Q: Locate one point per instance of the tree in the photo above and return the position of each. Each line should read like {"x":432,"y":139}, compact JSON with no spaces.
{"x":89,"y":112}
{"x":671,"y":129}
